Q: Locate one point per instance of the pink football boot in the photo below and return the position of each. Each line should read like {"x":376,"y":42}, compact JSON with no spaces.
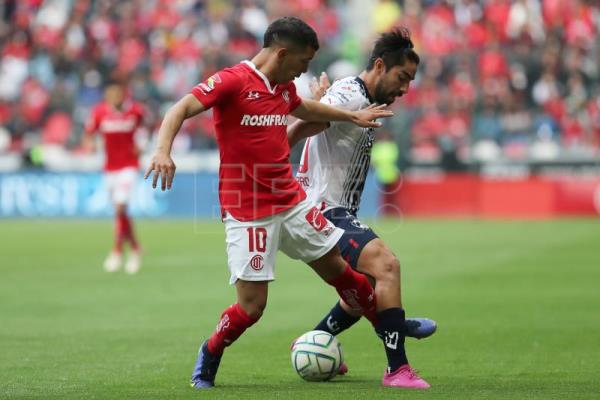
{"x":404,"y":377}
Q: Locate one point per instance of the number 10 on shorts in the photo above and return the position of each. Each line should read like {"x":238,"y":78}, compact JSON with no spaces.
{"x":257,"y":240}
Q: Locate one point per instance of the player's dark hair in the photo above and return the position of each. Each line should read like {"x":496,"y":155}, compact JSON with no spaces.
{"x":394,"y":48}
{"x":291,"y":30}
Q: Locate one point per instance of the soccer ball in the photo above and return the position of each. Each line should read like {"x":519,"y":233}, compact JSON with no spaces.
{"x":317,"y":356}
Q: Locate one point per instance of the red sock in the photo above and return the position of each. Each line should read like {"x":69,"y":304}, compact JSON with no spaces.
{"x":356,"y":291}
{"x":127,"y":230}
{"x":234,"y":321}
{"x":120,"y":233}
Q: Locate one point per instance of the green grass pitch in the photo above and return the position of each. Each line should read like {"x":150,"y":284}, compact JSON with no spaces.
{"x":517,"y":305}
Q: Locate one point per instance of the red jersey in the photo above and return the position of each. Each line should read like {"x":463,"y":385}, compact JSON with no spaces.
{"x":117,"y":128}
{"x":250,"y":117}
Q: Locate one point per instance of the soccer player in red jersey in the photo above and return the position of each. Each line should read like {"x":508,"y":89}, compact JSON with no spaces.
{"x":263,"y":207}
{"x":117,"y":119}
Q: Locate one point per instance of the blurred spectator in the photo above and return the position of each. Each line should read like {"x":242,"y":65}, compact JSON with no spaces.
{"x":545,"y":88}
{"x":593,"y":110}
{"x":517,"y":125}
{"x":385,"y":15}
{"x":525,"y":18}
{"x":486,"y":124}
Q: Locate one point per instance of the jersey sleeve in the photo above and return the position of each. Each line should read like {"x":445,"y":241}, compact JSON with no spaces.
{"x":344,"y":95}
{"x":93,"y":122}
{"x":218,"y":88}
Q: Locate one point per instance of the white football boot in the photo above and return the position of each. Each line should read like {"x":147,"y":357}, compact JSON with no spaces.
{"x":113,"y":262}
{"x":134,"y":262}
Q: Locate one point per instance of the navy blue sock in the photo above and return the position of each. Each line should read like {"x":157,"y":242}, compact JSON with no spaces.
{"x":390,"y":328}
{"x":337,"y":320}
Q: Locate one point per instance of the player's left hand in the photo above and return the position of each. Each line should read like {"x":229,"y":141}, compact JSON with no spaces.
{"x":163,"y":166}
{"x":318,"y":88}
{"x":366,"y":117}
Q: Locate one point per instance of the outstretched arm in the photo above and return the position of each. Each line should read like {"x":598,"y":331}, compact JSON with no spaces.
{"x":161,"y":163}
{"x":311,"y":110}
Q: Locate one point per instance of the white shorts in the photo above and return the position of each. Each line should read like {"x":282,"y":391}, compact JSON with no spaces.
{"x":302,"y":232}
{"x":120,"y":184}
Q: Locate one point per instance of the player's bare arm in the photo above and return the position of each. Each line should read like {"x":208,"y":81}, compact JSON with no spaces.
{"x":311,"y":110}
{"x":88,"y":142}
{"x":161,"y":163}
{"x":301,"y":129}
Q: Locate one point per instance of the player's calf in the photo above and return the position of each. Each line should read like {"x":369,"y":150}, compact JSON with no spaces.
{"x":390,"y":328}
{"x":338,"y":320}
{"x":354,"y":288}
{"x":357,"y":292}
{"x":385,"y":270}
{"x":234,"y":321}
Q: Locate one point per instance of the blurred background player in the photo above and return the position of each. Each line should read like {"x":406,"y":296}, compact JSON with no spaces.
{"x":117,"y":119}
{"x":264,"y":208}
{"x":333,"y":171}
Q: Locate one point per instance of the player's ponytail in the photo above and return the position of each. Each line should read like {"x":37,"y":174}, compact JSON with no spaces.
{"x":394,"y":48}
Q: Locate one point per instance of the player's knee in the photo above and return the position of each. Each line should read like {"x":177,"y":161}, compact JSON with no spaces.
{"x":389,"y":270}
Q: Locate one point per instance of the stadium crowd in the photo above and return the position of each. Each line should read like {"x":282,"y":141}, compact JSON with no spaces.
{"x":502,"y":78}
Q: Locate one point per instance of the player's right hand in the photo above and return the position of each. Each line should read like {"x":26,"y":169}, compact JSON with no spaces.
{"x":366,"y":118}
{"x":163,"y":167}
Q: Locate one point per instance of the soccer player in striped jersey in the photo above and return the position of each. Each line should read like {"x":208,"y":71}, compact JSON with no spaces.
{"x":333,"y":170}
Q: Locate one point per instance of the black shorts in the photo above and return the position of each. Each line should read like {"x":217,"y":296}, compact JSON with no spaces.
{"x":355,"y":237}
